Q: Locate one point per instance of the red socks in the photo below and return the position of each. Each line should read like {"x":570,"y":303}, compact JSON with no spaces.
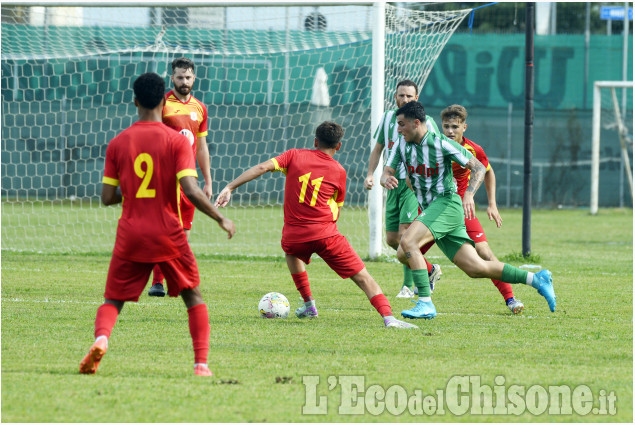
{"x":199,"y":329}
{"x":381,"y":304}
{"x":157,"y":275}
{"x":105,"y":320}
{"x":504,"y":288}
{"x":301,"y":281}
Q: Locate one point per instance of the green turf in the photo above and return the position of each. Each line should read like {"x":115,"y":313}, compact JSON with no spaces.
{"x":49,"y":304}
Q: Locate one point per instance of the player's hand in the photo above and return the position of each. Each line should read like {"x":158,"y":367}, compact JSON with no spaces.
{"x":223,"y":198}
{"x":207,"y":190}
{"x":369,"y":182}
{"x":228,"y":226}
{"x":492,"y":213}
{"x":390,"y":183}
{"x":468,"y":206}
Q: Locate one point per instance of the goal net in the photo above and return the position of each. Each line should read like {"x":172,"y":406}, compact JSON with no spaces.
{"x":268,"y":76}
{"x":612,"y":128}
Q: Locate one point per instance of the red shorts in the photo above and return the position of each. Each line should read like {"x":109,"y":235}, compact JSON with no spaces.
{"x":126,"y":279}
{"x":475,"y":230}
{"x":335,"y":251}
{"x":187,"y":212}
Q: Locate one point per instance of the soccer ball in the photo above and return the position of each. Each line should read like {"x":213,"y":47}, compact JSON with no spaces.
{"x":274,"y":305}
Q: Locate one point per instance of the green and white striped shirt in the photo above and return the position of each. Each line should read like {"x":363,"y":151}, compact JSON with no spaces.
{"x":386,"y":134}
{"x":429,"y":164}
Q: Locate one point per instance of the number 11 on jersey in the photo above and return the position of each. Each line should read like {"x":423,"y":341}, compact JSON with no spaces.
{"x":304,"y":179}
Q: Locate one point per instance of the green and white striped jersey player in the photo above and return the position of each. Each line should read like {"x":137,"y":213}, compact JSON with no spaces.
{"x":428,"y":156}
{"x":401,"y":205}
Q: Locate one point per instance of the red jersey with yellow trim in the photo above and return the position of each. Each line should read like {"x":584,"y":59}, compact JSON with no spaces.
{"x":189,"y":118}
{"x":462,"y":174}
{"x":314,"y":191}
{"x":147,"y":160}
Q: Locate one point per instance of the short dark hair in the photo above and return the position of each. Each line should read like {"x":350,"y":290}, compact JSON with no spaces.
{"x":329,"y":134}
{"x":412,"y":110}
{"x":454,"y":111}
{"x":149,"y":89}
{"x":408,"y":83}
{"x":183,"y":62}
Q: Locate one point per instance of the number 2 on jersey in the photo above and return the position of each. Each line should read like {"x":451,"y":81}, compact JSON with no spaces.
{"x":146,"y":175}
{"x":316,"y":187}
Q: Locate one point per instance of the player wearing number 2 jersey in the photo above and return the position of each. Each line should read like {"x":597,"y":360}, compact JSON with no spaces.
{"x":314,"y":192}
{"x":148,"y":160}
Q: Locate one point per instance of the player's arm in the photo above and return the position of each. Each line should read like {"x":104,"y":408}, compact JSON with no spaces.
{"x":373,"y":161}
{"x":477,"y":176}
{"x":490,"y":188}
{"x":254,"y":172}
{"x":202,"y":159}
{"x":388,"y":179}
{"x":110,"y":195}
{"x":201,"y":202}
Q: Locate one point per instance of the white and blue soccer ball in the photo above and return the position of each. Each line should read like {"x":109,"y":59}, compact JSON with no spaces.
{"x":274,"y":305}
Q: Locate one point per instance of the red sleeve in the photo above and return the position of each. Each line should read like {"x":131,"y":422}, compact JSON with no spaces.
{"x":111,"y":174}
{"x":480,"y":155}
{"x":341,"y":194}
{"x":282,"y":161}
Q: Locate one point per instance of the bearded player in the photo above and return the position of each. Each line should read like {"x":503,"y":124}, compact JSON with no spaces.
{"x":187,"y":115}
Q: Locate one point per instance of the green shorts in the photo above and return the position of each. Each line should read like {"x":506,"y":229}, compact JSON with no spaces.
{"x":401,"y":207}
{"x":446,"y":220}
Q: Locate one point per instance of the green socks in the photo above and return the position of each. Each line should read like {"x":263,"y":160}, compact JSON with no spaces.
{"x":422,"y":281}
{"x":512,"y":274}
{"x":407,"y":277}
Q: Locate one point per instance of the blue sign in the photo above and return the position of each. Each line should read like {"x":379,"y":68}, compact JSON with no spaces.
{"x":615,"y":13}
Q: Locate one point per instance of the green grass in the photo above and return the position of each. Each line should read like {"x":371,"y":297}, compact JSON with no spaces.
{"x":49,"y":304}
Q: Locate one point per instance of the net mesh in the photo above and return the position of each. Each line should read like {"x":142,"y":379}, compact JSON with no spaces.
{"x":268,"y":77}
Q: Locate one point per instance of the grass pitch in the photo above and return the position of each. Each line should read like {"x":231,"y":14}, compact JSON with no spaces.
{"x":261,"y":366}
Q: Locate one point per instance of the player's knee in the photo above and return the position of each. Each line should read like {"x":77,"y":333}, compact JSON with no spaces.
{"x":401,"y":255}
{"x":392,"y":241}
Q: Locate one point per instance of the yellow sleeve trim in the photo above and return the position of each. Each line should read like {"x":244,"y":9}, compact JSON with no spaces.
{"x":277,"y":166}
{"x":186,"y":172}
{"x":110,"y":181}
{"x":203,"y":134}
{"x":489,"y":167}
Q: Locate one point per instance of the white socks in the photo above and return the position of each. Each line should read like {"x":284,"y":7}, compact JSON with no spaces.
{"x":530,"y":278}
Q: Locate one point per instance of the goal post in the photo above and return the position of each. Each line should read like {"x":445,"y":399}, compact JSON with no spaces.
{"x":268,"y":73}
{"x":607,"y":114}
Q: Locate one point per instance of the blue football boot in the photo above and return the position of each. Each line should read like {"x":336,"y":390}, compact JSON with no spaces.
{"x":422,"y":310}
{"x":544,"y":284}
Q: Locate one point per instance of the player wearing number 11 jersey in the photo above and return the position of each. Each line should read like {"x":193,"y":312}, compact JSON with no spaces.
{"x":314,"y":192}
{"x":148,"y":160}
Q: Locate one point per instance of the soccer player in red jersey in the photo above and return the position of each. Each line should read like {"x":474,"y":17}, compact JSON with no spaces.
{"x":148,"y":160}
{"x":314,"y":192}
{"x":187,"y":115}
{"x":454,"y":124}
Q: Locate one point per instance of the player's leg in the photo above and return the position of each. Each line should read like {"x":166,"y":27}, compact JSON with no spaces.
{"x":397,"y":202}
{"x":340,"y":256}
{"x":477,"y":234}
{"x":125,"y":282}
{"x":485,"y":252}
{"x":434,"y":270}
{"x":468,"y":260}
{"x":157,"y":290}
{"x":415,"y":237}
{"x":182,"y":278}
{"x":301,"y":280}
